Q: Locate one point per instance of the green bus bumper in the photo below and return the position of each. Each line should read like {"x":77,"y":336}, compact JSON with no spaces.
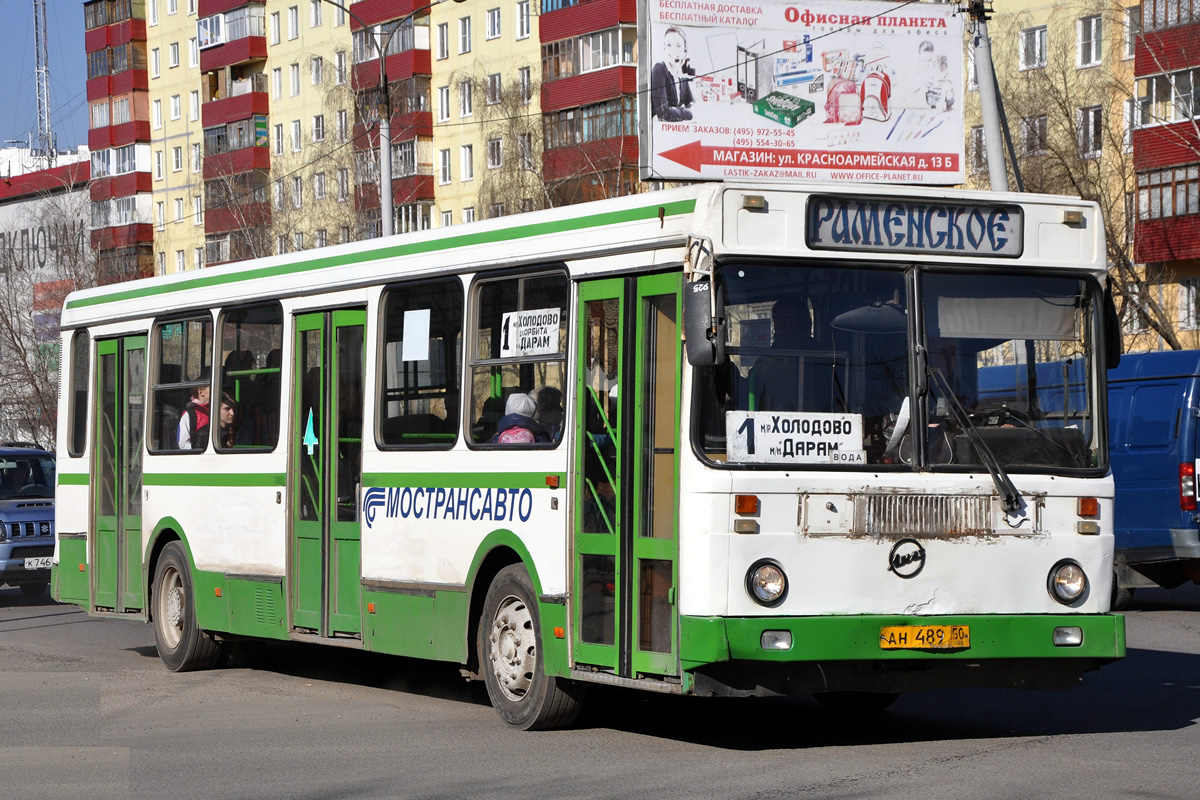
{"x":726,"y":656}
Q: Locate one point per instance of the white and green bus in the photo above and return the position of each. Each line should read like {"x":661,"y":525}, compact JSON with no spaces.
{"x":723,"y":440}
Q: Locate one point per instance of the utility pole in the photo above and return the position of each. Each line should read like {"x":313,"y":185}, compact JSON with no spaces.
{"x":45,"y":147}
{"x":989,"y":97}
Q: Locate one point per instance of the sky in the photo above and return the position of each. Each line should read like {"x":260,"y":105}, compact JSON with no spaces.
{"x":68,"y":72}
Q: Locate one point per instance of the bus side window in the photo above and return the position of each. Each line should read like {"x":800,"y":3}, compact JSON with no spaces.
{"x":183,"y":352}
{"x":251,"y":342}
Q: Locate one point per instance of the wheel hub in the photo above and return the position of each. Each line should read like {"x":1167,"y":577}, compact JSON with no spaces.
{"x":513,"y":650}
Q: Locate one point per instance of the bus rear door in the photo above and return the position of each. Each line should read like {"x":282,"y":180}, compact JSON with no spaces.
{"x":626,"y":518}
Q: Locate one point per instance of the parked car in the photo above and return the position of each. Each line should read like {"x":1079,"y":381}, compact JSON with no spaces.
{"x":27,"y":478}
{"x":1154,"y":427}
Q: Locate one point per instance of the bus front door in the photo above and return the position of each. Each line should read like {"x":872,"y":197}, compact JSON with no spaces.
{"x":326,"y":456}
{"x":116,"y":548}
{"x":624,"y":616}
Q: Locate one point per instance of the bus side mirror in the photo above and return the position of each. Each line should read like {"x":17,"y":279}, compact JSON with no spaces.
{"x":703,"y":330}
{"x":1112,"y":326}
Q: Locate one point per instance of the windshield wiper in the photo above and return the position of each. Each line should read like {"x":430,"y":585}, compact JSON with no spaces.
{"x":1010,"y":498}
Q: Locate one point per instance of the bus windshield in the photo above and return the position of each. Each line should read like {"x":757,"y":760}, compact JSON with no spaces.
{"x":840,"y":366}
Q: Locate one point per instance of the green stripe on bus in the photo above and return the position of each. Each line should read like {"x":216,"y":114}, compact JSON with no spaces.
{"x":217,"y":479}
{"x":72,"y":479}
{"x":459,"y":480}
{"x":396,"y":251}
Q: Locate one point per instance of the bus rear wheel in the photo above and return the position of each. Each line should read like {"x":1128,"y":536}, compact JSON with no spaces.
{"x":182,"y":646}
{"x":511,"y":659}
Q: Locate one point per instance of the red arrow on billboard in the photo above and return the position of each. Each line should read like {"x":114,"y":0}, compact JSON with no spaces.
{"x":695,"y":155}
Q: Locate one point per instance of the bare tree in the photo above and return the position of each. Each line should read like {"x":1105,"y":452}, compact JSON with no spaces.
{"x":40,"y":263}
{"x":1071,"y":130}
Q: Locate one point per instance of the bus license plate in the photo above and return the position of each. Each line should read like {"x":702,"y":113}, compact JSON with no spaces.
{"x":38,"y":563}
{"x":924,"y":637}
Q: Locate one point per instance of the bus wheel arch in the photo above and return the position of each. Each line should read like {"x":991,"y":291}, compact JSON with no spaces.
{"x":181,"y":644}
{"x":512,"y":660}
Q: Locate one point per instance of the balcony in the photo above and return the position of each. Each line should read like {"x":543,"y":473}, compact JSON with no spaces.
{"x":588,"y":88}
{"x":235,"y":162}
{"x":240,"y":99}
{"x":586,"y":17}
{"x":227,"y":219}
{"x":589,"y":157}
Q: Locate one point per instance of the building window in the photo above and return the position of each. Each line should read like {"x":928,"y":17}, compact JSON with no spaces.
{"x":1135,"y":317}
{"x":159,"y":214}
{"x":176,"y":107}
{"x":1189,"y":304}
{"x":404,"y":159}
{"x":155,"y":69}
{"x":495,"y":154}
{"x":444,"y":166}
{"x":277,"y":83}
{"x":151,"y":12}
{"x":317,"y":67}
{"x":525,"y":84}
{"x":493,"y":23}
{"x":468,"y":215}
{"x":296,"y":136}
{"x":297,"y":191}
{"x":194,"y":106}
{"x":275,"y":28}
{"x":495,"y":210}
{"x":1033,"y":136}
{"x":177,"y":159}
{"x":279,"y":140}
{"x":344,"y":234}
{"x":280,"y":244}
{"x":342,"y":125}
{"x":160,"y":266}
{"x":197,"y":158}
{"x":978,"y":154}
{"x":179,"y":212}
{"x":298,"y":241}
{"x":492,"y":89}
{"x":198,"y":258}
{"x":1130,"y":108}
{"x":172,"y":7}
{"x":314,"y":16}
{"x":180,"y":261}
{"x":173,"y":54}
{"x":343,"y":181}
{"x":525,"y":150}
{"x":1133,"y":29}
{"x":443,"y":103}
{"x":158,"y":165}
{"x":318,"y":133}
{"x":1090,"y":132}
{"x":1088,"y":41}
{"x":464,"y":99}
{"x":523,"y":19}
{"x":464,"y":35}
{"x":100,"y":114}
{"x":340,"y":61}
{"x":293,"y":22}
{"x":467,"y":162}
{"x":1169,"y":193}
{"x":1033,"y":48}
{"x":443,"y":40}
{"x":198,"y":214}
{"x":447,"y":219}
{"x":193,"y":53}
{"x":319,"y":186}
{"x":322,"y":238}
{"x":295,"y":74}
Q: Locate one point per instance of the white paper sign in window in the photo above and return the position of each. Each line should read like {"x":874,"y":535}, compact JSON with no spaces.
{"x":416,"y":335}
{"x":530,"y":333}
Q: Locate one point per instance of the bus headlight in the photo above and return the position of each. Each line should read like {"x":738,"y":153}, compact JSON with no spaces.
{"x":766,"y":583}
{"x":1067,"y":582}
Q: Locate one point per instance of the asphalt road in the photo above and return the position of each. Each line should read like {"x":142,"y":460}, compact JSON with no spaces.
{"x":88,"y":711}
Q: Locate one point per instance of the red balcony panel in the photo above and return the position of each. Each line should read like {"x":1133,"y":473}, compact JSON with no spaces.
{"x":409,"y":189}
{"x":234,"y":109}
{"x":1167,"y":50}
{"x":99,"y":138}
{"x":99,"y":87}
{"x":206,"y":8}
{"x":125,"y":185}
{"x":129,"y":80}
{"x":239,"y":51}
{"x":1164,"y":146}
{"x":414,"y":123}
{"x":565,"y":162}
{"x":137,"y":130}
{"x":372,"y":12}
{"x":122,"y":236}
{"x":587,"y":17}
{"x":234,"y":218}
{"x":95,"y":39}
{"x":591,"y":87}
{"x":236,"y":162}
{"x":399,"y":66}
{"x":1171,"y":239}
{"x":131,"y":30}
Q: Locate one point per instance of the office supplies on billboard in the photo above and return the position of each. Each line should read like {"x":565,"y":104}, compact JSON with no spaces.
{"x":842,"y":103}
{"x":784,"y":108}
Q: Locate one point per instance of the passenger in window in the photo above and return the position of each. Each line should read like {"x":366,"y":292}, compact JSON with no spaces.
{"x":549,"y":412}
{"x":193,"y":423}
{"x":227,"y":431}
{"x":518,"y":426}
{"x":775,"y":378}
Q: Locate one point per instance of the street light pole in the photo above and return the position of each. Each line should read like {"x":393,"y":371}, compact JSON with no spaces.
{"x":386,"y":211}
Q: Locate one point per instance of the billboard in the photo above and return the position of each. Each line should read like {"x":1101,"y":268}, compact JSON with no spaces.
{"x":828,"y":90}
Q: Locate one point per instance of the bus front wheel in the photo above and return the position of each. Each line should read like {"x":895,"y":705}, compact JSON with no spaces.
{"x":511,"y":658}
{"x":182,"y":646}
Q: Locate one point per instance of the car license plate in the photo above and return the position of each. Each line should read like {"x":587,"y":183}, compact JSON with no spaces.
{"x":924,"y":637}
{"x":42,"y":562}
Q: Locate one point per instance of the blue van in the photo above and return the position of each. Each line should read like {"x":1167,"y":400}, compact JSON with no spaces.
{"x":1154,"y":428}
